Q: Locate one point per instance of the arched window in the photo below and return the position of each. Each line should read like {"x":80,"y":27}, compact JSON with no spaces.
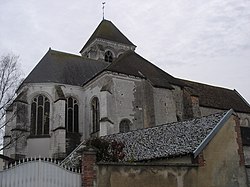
{"x":245,"y":123}
{"x":95,"y":110}
{"x":40,"y":111}
{"x":71,"y":115}
{"x":108,"y":56}
{"x":125,"y":125}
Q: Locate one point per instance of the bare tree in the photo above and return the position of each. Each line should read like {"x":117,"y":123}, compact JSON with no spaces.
{"x":10,"y":79}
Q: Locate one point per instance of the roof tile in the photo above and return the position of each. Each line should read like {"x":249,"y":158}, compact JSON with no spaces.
{"x":173,"y":139}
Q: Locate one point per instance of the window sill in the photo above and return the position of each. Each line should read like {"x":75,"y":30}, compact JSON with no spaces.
{"x":38,"y":136}
{"x":73,"y":134}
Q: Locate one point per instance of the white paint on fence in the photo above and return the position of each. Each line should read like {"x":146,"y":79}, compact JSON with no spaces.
{"x":39,"y":173}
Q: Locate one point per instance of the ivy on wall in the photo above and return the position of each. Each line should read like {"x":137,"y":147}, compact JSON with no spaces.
{"x":107,"y":150}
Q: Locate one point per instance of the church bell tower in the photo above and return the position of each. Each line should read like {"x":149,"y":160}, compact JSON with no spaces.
{"x":106,"y":43}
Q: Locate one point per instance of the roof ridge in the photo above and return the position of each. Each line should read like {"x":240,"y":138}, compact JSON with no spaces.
{"x":65,"y":53}
{"x":160,"y":72}
{"x":206,"y":84}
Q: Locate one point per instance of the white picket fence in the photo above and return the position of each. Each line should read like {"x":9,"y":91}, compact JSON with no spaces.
{"x":39,"y":173}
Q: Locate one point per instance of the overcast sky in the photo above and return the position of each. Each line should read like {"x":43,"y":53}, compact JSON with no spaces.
{"x":201,"y":40}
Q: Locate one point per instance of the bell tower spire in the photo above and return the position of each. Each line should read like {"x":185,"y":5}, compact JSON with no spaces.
{"x":106,"y":43}
{"x":103,"y":8}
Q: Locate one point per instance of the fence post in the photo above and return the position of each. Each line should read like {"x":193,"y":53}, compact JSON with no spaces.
{"x":89,"y":167}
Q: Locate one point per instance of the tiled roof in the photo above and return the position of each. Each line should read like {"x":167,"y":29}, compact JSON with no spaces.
{"x":169,"y":140}
{"x":217,"y":97}
{"x":59,"y":67}
{"x":108,"y":31}
{"x":131,"y":63}
{"x":164,"y":141}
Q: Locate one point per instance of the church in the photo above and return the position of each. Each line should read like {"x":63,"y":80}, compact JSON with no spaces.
{"x":107,"y":89}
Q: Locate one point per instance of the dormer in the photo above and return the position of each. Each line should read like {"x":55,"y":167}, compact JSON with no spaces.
{"x":106,"y":43}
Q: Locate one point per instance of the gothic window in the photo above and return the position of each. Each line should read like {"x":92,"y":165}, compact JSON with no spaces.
{"x":95,"y":113}
{"x":108,"y":56}
{"x":40,"y":111}
{"x":71,"y":115}
{"x":125,"y":125}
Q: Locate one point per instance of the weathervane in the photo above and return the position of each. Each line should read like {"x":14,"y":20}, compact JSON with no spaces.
{"x":103,"y":6}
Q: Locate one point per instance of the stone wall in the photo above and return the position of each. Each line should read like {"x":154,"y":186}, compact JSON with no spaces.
{"x":178,"y":99}
{"x":96,"y":50}
{"x":245,"y":132}
{"x":164,"y":106}
{"x":146,"y":175}
{"x":127,"y":97}
{"x":54,"y":143}
{"x":220,"y":164}
{"x":120,"y":98}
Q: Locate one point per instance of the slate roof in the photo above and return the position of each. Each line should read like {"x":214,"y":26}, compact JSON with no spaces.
{"x":60,"y":67}
{"x":217,"y":97}
{"x":108,"y":31}
{"x":131,"y":63}
{"x":164,"y":141}
{"x":169,"y":140}
{"x":65,"y":68}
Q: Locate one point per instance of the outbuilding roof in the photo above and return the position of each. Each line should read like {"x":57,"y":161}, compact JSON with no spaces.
{"x":170,"y":140}
{"x":163,"y":141}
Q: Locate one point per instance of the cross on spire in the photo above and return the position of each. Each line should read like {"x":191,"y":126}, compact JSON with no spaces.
{"x":103,"y":6}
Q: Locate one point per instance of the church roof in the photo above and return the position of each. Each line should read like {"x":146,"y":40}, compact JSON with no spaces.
{"x":64,"y":68}
{"x":130,"y":63}
{"x":170,"y":140}
{"x":108,"y":31}
{"x":217,"y":97}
